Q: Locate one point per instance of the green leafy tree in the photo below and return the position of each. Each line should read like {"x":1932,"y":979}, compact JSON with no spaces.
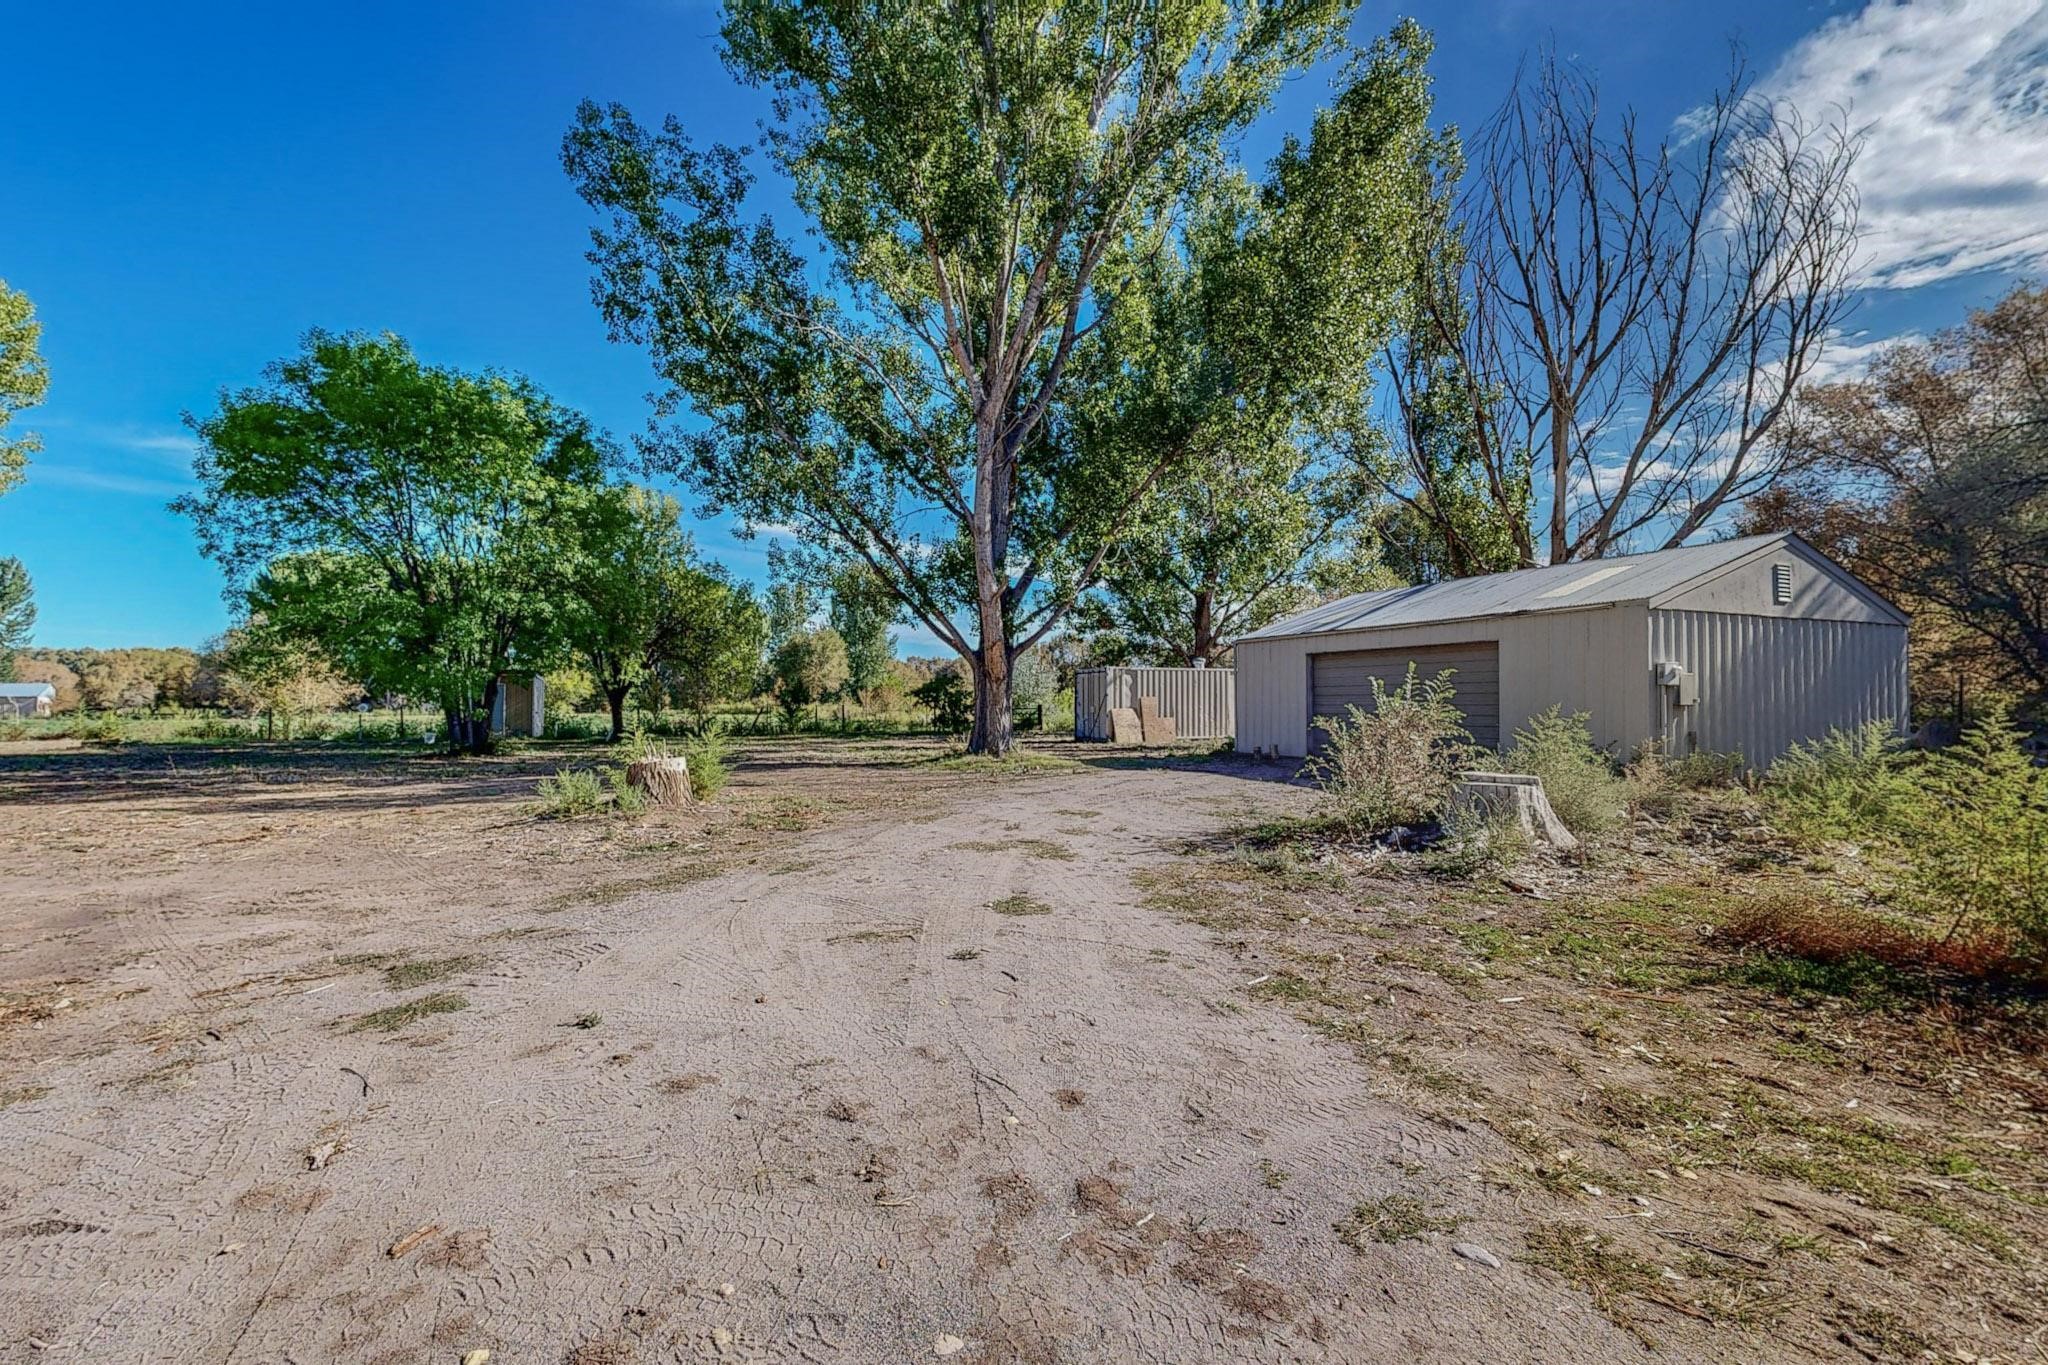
{"x":17,"y":613}
{"x":807,"y":667}
{"x":987,"y":187}
{"x":948,"y":698}
{"x":1252,"y":357}
{"x":1231,"y":548}
{"x":24,"y":380}
{"x":712,"y":636}
{"x":862,"y":611}
{"x":415,"y":522}
{"x":1455,"y":503}
{"x":1036,"y":681}
{"x":642,"y":599}
{"x":276,"y":674}
{"x":793,"y":603}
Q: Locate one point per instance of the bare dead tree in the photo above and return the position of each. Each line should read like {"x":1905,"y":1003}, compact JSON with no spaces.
{"x":1627,"y":321}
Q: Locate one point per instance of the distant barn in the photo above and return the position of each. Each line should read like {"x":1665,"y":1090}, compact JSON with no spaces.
{"x":1743,"y":646}
{"x":20,"y":700}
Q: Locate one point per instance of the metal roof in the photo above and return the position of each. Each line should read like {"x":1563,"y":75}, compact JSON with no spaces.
{"x":1555,"y":587}
{"x":31,"y":689}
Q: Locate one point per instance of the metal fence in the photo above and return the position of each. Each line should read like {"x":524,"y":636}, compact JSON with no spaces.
{"x":1202,"y":701}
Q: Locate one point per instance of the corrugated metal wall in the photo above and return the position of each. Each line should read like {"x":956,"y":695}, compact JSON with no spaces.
{"x":1202,"y":701}
{"x":1766,"y":683}
{"x":1594,"y":660}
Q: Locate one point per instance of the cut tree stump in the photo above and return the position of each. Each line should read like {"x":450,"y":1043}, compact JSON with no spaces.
{"x":1124,"y":727}
{"x":1518,"y":796}
{"x":664,"y":781}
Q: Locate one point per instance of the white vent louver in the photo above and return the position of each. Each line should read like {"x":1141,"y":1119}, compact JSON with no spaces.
{"x":1781,"y":585}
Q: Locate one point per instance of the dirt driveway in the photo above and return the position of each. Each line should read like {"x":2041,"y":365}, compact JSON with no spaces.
{"x":883,"y":1062}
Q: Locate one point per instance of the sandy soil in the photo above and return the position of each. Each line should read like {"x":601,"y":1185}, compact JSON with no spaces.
{"x":878,"y":1062}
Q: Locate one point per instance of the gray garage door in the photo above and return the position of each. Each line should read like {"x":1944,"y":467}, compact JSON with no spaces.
{"x":1340,"y":680}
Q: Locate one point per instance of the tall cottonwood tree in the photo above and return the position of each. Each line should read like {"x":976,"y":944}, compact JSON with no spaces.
{"x":1273,"y":419}
{"x":982,"y":181}
{"x":1227,"y":549}
{"x":1627,"y":318}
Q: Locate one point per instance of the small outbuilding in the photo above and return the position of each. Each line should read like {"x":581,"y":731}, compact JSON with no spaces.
{"x":1200,"y":701}
{"x":19,"y":700}
{"x":521,"y":707}
{"x":1740,"y":647}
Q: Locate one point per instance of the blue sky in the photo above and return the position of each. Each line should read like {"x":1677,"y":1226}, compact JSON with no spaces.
{"x":188,"y":188}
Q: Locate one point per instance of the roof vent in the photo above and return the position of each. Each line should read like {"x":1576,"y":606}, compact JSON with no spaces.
{"x":1781,"y":585}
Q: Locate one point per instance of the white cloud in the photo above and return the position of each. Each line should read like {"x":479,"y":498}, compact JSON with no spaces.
{"x":104,"y":481}
{"x":1848,"y":355}
{"x":1953,"y":98}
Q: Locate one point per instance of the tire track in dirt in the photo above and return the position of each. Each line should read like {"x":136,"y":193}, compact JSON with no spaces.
{"x":805,"y":1124}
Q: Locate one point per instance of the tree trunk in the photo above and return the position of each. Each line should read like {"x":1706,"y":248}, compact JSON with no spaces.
{"x":993,"y":733}
{"x":457,"y":728}
{"x":1560,"y":474}
{"x":615,"y":697}
{"x":480,"y":734}
{"x":1205,"y":628}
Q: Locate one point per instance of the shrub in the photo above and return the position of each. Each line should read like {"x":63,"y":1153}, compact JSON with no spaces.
{"x":102,"y":729}
{"x":1705,"y":769}
{"x":1476,"y":842}
{"x":1975,"y":836}
{"x":571,"y":792}
{"x":1652,"y":780}
{"x":1395,"y":764}
{"x":627,"y":799}
{"x":214,"y":727}
{"x":1850,"y":784}
{"x":638,"y":743}
{"x":708,"y":773}
{"x":948,"y":698}
{"x":1579,"y":779}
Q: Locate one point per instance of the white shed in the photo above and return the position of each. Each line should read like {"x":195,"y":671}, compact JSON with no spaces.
{"x":27,"y":699}
{"x":1743,"y":646}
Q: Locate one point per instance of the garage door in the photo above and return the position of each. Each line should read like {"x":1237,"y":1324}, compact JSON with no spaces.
{"x":1340,"y":680}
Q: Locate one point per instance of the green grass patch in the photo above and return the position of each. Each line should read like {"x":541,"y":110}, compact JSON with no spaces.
{"x":1030,"y":848}
{"x":1394,"y":1218}
{"x":404,"y":976}
{"x":783,"y":814}
{"x":395,"y":1017}
{"x":1017,"y":903}
{"x":1591,"y":1260}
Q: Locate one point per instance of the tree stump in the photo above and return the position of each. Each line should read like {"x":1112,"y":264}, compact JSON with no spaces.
{"x":664,"y":781}
{"x":1518,"y":796}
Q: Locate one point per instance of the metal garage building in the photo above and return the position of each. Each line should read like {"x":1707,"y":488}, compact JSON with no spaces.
{"x":1743,"y":646}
